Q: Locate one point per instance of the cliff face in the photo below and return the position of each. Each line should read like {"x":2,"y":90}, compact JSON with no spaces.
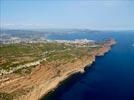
{"x":47,"y":76}
{"x":50,"y":79}
{"x":65,"y":71}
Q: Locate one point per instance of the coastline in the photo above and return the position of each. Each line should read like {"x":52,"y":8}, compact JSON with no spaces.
{"x":75,"y":72}
{"x":46,"y":78}
{"x":52,"y":84}
{"x":79,"y":71}
{"x":64,"y":78}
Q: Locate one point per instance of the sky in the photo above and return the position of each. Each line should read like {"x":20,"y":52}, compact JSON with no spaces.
{"x":83,"y":14}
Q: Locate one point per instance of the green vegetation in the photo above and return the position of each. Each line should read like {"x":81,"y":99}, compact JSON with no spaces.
{"x":13,"y":55}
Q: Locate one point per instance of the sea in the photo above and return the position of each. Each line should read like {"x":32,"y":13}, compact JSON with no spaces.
{"x":110,"y":77}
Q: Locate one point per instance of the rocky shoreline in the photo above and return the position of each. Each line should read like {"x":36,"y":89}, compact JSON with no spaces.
{"x":45,"y":78}
{"x":55,"y":82}
{"x":106,"y":49}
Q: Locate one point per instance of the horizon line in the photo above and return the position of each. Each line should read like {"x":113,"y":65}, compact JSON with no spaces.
{"x":66,"y":29}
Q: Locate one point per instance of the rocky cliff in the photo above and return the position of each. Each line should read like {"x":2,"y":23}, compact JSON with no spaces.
{"x":46,"y":76}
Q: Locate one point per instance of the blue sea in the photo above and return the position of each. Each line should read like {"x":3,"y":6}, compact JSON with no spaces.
{"x":110,"y":77}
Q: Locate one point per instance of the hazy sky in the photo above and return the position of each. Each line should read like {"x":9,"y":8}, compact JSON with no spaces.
{"x":99,"y":14}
